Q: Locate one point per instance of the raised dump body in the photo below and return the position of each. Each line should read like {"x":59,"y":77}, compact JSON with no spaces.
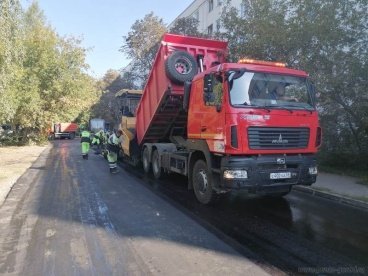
{"x":160,"y":109}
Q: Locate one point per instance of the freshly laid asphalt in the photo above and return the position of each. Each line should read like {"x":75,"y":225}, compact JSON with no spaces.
{"x":299,"y":233}
{"x":70,"y":216}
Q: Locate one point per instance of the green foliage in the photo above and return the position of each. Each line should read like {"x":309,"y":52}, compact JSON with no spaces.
{"x":326,"y":38}
{"x":11,"y":52}
{"x":106,"y":108}
{"x":186,"y":26}
{"x":42,"y":75}
{"x":142,"y":42}
{"x":141,"y":45}
{"x":126,"y":80}
{"x":144,"y":35}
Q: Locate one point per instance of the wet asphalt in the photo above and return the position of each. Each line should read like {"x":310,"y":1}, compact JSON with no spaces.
{"x":299,"y":233}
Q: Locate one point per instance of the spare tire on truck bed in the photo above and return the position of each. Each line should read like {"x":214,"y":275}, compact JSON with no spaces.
{"x":181,"y":66}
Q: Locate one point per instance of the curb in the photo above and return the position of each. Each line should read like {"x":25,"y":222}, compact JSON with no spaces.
{"x":335,"y":197}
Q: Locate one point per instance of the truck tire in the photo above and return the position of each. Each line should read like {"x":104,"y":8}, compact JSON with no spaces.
{"x":146,"y":161}
{"x":180,"y":67}
{"x":156,"y":168}
{"x":202,"y":183}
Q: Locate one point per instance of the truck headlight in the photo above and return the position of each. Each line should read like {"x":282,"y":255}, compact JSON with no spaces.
{"x":235,"y":174}
{"x":313,"y":170}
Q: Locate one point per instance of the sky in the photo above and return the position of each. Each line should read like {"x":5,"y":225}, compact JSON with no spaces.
{"x":103,"y":23}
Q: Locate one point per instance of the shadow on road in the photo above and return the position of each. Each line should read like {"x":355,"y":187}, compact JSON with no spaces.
{"x":298,"y":231}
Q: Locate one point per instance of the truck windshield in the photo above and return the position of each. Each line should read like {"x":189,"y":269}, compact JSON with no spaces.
{"x":269,"y":90}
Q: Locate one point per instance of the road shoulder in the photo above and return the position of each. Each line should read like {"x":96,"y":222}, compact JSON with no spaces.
{"x":14,"y":162}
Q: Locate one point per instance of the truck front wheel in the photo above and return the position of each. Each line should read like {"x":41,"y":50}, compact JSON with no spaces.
{"x":145,"y":160}
{"x":202,"y":183}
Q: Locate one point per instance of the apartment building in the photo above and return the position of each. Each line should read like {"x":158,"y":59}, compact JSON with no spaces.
{"x":208,"y":13}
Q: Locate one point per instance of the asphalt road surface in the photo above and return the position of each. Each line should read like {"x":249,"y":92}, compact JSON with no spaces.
{"x":68,"y":216}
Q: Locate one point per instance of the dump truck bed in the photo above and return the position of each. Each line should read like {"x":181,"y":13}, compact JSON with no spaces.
{"x":160,"y":109}
{"x":68,"y":127}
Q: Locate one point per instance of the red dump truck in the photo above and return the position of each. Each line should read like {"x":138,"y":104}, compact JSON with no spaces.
{"x":250,"y":125}
{"x":63,"y":130}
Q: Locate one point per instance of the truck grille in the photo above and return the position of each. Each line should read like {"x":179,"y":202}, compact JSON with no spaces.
{"x":278,"y":138}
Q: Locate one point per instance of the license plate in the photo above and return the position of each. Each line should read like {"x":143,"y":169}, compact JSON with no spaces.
{"x":280,"y":175}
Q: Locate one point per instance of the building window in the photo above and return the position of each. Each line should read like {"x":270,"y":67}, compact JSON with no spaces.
{"x":210,"y":29}
{"x":210,"y":5}
{"x":218,"y":25}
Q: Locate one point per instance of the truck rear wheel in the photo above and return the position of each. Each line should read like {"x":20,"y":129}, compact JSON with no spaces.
{"x":181,"y":66}
{"x":156,"y":169}
{"x":145,"y":161}
{"x":202,"y":183}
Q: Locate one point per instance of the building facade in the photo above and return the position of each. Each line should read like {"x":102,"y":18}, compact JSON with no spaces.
{"x":208,"y":13}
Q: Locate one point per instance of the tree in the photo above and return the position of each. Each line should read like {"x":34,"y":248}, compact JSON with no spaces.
{"x":107,"y":107}
{"x":141,"y":44}
{"x":11,"y":53}
{"x":54,"y":86}
{"x":328,"y":39}
{"x":127,"y":80}
{"x":43,"y":77}
{"x":186,"y":26}
{"x":109,"y":80}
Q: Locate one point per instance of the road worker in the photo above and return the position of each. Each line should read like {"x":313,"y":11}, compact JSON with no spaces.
{"x":99,"y":140}
{"x":113,"y":147}
{"x":85,"y":141}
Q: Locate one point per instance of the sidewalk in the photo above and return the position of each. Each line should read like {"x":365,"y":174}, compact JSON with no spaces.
{"x":344,"y":189}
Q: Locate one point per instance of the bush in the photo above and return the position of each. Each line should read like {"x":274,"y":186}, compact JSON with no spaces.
{"x":22,"y":138}
{"x":344,"y":163}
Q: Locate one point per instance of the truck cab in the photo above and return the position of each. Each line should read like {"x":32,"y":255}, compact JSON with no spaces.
{"x":259,"y":122}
